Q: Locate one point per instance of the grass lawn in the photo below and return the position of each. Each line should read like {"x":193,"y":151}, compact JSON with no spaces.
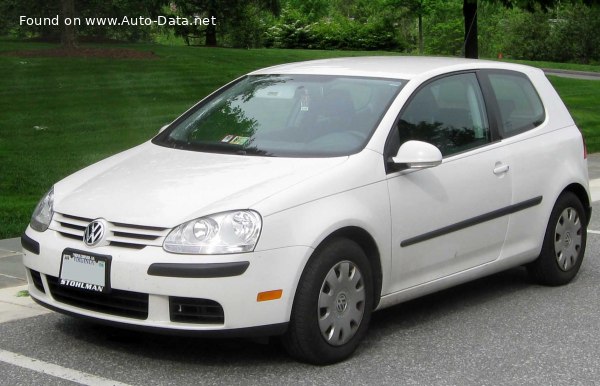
{"x":560,"y":66}
{"x":58,"y":115}
{"x":582,"y":97}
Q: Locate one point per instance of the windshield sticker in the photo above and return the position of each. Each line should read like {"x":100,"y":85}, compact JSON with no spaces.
{"x":304,"y":101}
{"x":238,"y":140}
{"x":228,"y":138}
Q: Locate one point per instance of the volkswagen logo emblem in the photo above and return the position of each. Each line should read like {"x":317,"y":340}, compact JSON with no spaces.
{"x":341,"y":303}
{"x":94,"y":233}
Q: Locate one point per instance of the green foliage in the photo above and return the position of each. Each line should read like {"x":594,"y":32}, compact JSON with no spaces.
{"x":310,"y":9}
{"x":11,"y":10}
{"x":240,"y":24}
{"x":295,"y":30}
{"x":444,"y":29}
{"x":575,"y":34}
{"x":343,"y":33}
{"x":528,"y":29}
{"x":493,"y":29}
{"x":568,"y":32}
{"x":248,"y":27}
{"x":527,"y":35}
{"x":292,"y":30}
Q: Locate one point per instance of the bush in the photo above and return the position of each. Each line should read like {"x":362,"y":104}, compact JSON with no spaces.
{"x":444,"y":29}
{"x":248,"y":28}
{"x":293,"y":31}
{"x":568,"y":35}
{"x":528,"y":35}
{"x":575,"y":34}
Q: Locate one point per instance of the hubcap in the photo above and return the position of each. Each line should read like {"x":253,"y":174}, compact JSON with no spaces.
{"x":567,"y":239}
{"x":341,"y":303}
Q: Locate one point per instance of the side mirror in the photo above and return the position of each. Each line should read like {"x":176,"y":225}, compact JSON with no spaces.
{"x":163,"y":128}
{"x":418,"y":155}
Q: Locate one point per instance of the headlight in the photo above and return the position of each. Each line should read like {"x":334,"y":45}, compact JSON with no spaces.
{"x":221,"y":233}
{"x":42,"y":215}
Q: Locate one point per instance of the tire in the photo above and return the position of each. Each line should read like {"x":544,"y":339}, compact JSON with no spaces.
{"x":564,"y":243}
{"x":333,"y":305}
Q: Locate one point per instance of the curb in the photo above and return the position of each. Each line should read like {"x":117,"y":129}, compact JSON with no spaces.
{"x":14,"y":307}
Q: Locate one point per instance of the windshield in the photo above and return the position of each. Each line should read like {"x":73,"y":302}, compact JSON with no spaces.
{"x":286,"y":115}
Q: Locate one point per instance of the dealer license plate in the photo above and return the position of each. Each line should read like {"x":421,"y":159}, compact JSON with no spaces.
{"x":85,"y":271}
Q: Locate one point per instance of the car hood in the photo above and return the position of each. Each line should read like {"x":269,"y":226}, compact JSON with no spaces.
{"x":157,"y":186}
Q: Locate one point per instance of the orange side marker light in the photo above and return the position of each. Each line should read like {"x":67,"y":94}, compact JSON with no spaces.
{"x":269,"y":295}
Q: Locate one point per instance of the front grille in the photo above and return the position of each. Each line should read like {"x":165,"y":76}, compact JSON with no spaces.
{"x":193,"y":310}
{"x":117,"y":302}
{"x":37,"y":280}
{"x":71,"y":236}
{"x":118,"y":234}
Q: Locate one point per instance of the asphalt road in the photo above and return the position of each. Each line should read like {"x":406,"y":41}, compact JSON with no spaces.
{"x":498,"y":330}
{"x":585,"y":75}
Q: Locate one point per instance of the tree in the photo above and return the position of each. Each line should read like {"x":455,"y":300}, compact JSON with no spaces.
{"x":11,"y":10}
{"x":224,"y":12}
{"x":420,"y":8}
{"x":312,"y":9}
{"x":470,"y":17}
{"x":443,"y":28}
{"x":68,"y":36}
{"x":211,"y":28}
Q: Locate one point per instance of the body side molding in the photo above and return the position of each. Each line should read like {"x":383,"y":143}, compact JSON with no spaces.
{"x":473,"y":221}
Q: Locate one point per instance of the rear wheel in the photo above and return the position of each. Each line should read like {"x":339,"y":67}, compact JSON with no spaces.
{"x":333,"y":304}
{"x":564,"y":243}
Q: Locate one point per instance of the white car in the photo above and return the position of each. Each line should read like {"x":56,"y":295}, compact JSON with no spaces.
{"x":299,"y":198}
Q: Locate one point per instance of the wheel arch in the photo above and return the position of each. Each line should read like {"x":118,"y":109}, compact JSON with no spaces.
{"x":583,"y":196}
{"x":369,"y":246}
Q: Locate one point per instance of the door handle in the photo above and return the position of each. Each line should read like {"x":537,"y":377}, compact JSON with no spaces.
{"x":501,"y":168}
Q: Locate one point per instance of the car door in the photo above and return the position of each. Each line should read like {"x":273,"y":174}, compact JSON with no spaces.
{"x":541,"y":151}
{"x":447,"y":218}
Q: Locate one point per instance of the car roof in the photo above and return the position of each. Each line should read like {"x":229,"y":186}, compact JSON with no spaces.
{"x":401,"y":67}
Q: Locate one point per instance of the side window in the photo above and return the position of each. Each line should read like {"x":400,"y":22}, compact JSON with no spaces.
{"x":448,"y":113}
{"x":519,"y":104}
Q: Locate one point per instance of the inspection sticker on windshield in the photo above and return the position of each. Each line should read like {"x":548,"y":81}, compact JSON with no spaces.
{"x":239,"y":140}
{"x":85,"y":271}
{"x":305,"y":101}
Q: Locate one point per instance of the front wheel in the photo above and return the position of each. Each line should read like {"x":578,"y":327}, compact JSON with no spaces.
{"x":564,"y":243}
{"x":333,"y":304}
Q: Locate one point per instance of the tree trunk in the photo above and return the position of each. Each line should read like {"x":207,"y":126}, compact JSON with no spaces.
{"x":68,"y":37}
{"x":211,"y":30}
{"x":420,"y":34}
{"x":470,"y":14}
{"x":275,"y":7}
{"x":211,"y":36}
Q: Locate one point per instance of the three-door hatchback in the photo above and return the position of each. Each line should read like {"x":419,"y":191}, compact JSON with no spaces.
{"x":298,"y":199}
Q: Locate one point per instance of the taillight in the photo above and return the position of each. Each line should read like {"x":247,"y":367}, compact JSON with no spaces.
{"x":584,"y":147}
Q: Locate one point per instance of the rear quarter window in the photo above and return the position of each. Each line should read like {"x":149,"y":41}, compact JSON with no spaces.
{"x":519,"y":104}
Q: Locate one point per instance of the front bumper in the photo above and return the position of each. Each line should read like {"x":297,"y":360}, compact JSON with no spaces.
{"x":149,"y":286}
